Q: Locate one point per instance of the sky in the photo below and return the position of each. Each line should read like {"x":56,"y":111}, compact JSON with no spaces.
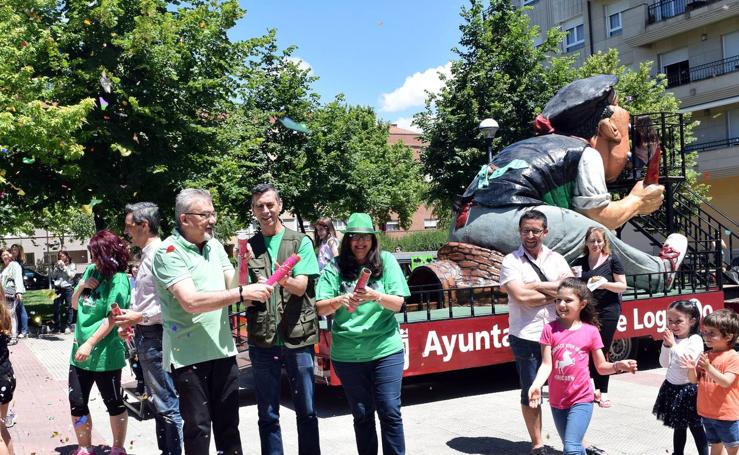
{"x":378,"y":53}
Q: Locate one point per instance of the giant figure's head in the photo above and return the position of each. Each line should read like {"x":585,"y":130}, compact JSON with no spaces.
{"x":588,"y":108}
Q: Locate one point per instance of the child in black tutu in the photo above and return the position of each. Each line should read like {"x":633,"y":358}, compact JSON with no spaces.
{"x":675,"y":405}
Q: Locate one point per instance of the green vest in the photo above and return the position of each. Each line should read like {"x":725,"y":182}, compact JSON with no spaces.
{"x":291,"y":318}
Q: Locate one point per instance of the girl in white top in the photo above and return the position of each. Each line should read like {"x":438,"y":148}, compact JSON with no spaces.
{"x":676,"y":402}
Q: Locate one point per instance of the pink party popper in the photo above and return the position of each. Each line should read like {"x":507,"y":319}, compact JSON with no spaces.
{"x":116,"y":310}
{"x":284,"y":269}
{"x":364,"y":277}
{"x":243,"y":265}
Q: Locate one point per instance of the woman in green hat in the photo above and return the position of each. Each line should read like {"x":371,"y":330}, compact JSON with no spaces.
{"x":366,"y":349}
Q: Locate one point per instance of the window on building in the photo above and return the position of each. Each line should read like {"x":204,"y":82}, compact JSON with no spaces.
{"x":615,"y":26}
{"x":733,"y":126}
{"x":339,"y":225}
{"x":430,"y":223}
{"x":676,"y":67}
{"x":308,"y":226}
{"x":528,"y":2}
{"x":678,"y":73}
{"x":392,"y":226}
{"x":575,"y":38}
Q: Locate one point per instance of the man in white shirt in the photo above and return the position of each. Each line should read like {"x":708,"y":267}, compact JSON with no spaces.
{"x":142,"y":226}
{"x":530,"y":275}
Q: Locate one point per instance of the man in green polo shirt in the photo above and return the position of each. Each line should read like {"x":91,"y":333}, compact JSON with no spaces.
{"x":192,"y":274}
{"x":283,"y":332}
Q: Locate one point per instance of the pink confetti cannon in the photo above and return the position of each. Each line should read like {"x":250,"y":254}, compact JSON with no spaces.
{"x":116,"y":310}
{"x":284,"y":269}
{"x":243,"y":265}
{"x":361,"y":285}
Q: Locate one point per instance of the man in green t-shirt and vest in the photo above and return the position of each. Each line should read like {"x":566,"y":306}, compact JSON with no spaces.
{"x":283,"y":331}
{"x":192,"y":274}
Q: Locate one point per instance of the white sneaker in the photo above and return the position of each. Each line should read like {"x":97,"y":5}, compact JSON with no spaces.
{"x":673,"y":252}
{"x":67,"y":331}
{"x":21,"y":335}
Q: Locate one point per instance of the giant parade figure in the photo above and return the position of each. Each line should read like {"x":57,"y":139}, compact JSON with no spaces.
{"x":581,"y":143}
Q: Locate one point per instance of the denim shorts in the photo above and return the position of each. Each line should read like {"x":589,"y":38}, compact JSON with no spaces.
{"x":722,"y":431}
{"x":528,"y":361}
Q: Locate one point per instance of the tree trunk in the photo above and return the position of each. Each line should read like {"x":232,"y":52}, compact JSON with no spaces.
{"x":300,"y":222}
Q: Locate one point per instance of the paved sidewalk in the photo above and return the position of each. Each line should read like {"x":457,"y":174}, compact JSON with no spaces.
{"x":40,"y":402}
{"x":472,"y":412}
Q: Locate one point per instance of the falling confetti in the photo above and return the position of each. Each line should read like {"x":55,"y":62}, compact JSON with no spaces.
{"x":87,"y":21}
{"x":30,"y":160}
{"x":105,"y":83}
{"x":174,"y":327}
{"x":4,"y":150}
{"x":103,"y":103}
{"x":291,"y":124}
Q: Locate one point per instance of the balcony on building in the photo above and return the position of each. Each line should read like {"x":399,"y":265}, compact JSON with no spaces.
{"x":681,"y":73}
{"x":663,"y":19}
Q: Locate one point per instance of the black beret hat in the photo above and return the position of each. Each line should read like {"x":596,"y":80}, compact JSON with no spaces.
{"x":580,"y":100}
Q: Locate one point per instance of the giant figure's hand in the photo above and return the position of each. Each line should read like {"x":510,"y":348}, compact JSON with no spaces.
{"x":650,"y":197}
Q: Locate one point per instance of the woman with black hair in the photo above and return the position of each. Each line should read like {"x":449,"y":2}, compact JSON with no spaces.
{"x":366,"y":349}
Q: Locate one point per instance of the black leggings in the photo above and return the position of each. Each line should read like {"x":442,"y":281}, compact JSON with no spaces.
{"x":608,"y":317}
{"x":681,"y":435}
{"x":109,"y":385}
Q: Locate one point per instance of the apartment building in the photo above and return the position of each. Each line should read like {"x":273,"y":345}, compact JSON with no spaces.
{"x":694,"y":42}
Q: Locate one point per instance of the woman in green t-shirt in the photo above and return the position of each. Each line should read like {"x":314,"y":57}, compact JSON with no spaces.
{"x":366,"y":349}
{"x":98,"y":354}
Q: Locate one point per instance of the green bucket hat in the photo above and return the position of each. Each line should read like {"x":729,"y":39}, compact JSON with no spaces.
{"x":360,"y":223}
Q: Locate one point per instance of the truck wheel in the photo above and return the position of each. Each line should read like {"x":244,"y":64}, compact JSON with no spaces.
{"x":624,"y":348}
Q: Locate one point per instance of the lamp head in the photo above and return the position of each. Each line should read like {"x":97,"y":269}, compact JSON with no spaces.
{"x":488,"y":127}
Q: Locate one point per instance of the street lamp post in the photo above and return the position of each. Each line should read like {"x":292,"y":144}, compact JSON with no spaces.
{"x":488,"y":128}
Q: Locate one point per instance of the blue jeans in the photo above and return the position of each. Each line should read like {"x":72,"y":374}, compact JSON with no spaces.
{"x":528,"y":359}
{"x":267,"y":366}
{"x":370,"y":385}
{"x":22,"y":315}
{"x":571,"y":425}
{"x":161,"y":389}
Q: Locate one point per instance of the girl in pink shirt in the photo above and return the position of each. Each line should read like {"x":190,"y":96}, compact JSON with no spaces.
{"x":566,"y":345}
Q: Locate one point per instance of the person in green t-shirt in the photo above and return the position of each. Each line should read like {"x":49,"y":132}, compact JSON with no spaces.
{"x":365,"y":335}
{"x":194,"y":283}
{"x":284,"y":331}
{"x":98,"y":354}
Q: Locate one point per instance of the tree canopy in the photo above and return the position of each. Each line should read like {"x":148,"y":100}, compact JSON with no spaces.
{"x":105,"y":102}
{"x":503,"y":72}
